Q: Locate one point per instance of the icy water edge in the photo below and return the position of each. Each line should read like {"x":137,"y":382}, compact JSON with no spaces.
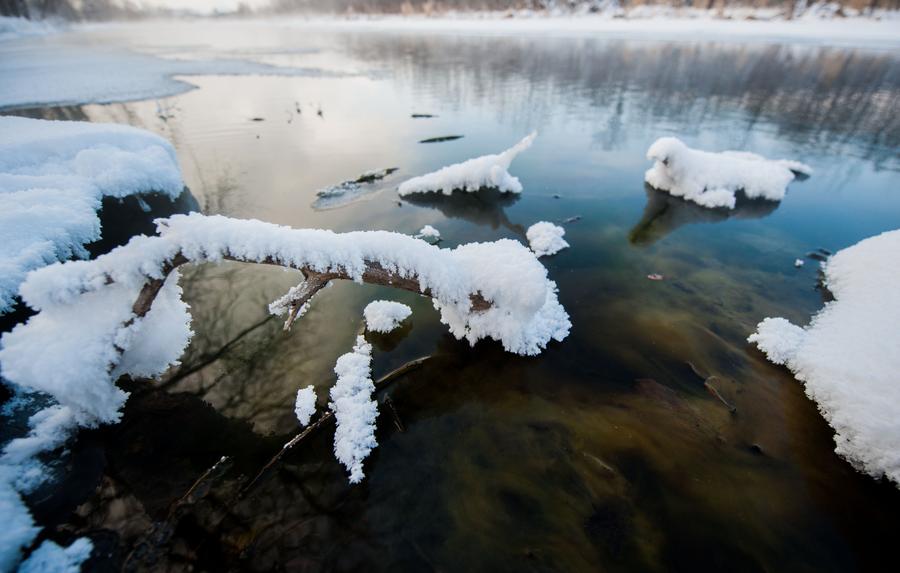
{"x":606,"y":452}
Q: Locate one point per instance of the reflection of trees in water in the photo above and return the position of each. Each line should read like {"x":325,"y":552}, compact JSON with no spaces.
{"x":664,"y":214}
{"x":482,"y":207}
{"x":815,"y":96}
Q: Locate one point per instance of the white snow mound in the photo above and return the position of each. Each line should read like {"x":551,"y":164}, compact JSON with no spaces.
{"x":491,"y":171}
{"x":385,"y":315}
{"x":847,"y":357}
{"x":53,"y":176}
{"x":546,"y":238}
{"x":712,"y":179}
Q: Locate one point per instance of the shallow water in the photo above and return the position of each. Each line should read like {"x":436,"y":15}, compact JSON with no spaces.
{"x":606,"y":452}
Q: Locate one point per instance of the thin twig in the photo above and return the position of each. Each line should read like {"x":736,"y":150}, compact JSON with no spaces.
{"x":328,"y":416}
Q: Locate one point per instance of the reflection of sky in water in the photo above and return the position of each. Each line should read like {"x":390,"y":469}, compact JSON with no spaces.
{"x":607,"y":449}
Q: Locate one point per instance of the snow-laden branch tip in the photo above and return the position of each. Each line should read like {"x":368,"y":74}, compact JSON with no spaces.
{"x":305,"y":405}
{"x":55,"y":174}
{"x":354,"y":409}
{"x":487,"y":171}
{"x":545,"y":238}
{"x":122,"y":313}
{"x":385,"y":315}
{"x":847,"y":357}
{"x":712,"y":179}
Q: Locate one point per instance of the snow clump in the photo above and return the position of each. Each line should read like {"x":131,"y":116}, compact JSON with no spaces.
{"x":712,"y":179}
{"x":487,"y":171}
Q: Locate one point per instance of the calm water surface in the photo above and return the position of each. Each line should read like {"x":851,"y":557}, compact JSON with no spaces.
{"x":604,"y":453}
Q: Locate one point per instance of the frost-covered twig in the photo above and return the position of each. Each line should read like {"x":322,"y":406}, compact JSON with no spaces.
{"x":327,"y":417}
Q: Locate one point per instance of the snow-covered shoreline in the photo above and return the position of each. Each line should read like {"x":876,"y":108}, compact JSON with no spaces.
{"x":850,"y":32}
{"x":847,"y":356}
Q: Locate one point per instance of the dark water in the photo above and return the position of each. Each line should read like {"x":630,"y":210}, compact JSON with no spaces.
{"x":604,"y":453}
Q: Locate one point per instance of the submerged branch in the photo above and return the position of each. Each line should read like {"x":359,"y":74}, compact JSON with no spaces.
{"x":327,"y":417}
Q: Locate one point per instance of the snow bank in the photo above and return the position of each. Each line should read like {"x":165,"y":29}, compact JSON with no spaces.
{"x":546,"y":238}
{"x":847,"y":357}
{"x":712,"y":179}
{"x":487,"y":171}
{"x":385,"y":315}
{"x":305,"y":406}
{"x":53,"y":176}
{"x":66,"y":71}
{"x":85,"y":304}
{"x":354,"y":409}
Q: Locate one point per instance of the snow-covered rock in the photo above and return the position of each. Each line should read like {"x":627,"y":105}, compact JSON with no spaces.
{"x":847,"y":356}
{"x":354,"y":409}
{"x":546,"y":238}
{"x":712,"y":179}
{"x":487,"y":171}
{"x":385,"y":315}
{"x":53,"y":177}
{"x":305,"y":406}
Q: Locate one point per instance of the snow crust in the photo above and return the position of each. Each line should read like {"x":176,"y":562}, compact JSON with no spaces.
{"x":65,"y":71}
{"x":847,"y":356}
{"x":491,"y":171}
{"x":354,"y":409}
{"x":305,"y":406}
{"x":712,"y":179}
{"x":84,"y":305}
{"x":545,"y":238}
{"x":385,"y":315}
{"x":53,"y":177}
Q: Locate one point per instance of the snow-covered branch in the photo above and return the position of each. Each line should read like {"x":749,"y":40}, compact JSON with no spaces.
{"x":122,"y":313}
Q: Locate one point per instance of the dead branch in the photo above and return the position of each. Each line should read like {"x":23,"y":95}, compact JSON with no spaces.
{"x":374,"y":274}
{"x":712,"y":390}
{"x":327,"y":417}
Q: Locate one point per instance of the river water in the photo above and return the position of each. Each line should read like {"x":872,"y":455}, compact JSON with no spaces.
{"x":606,"y":452}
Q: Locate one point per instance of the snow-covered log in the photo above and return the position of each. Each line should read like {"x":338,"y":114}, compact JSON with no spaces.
{"x":487,"y":171}
{"x":53,"y":177}
{"x":712,"y":179}
{"x":122,"y":313}
{"x":847,"y":357}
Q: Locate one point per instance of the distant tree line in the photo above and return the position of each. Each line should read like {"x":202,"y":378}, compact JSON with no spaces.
{"x":438,"y":6}
{"x":127,"y":9}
